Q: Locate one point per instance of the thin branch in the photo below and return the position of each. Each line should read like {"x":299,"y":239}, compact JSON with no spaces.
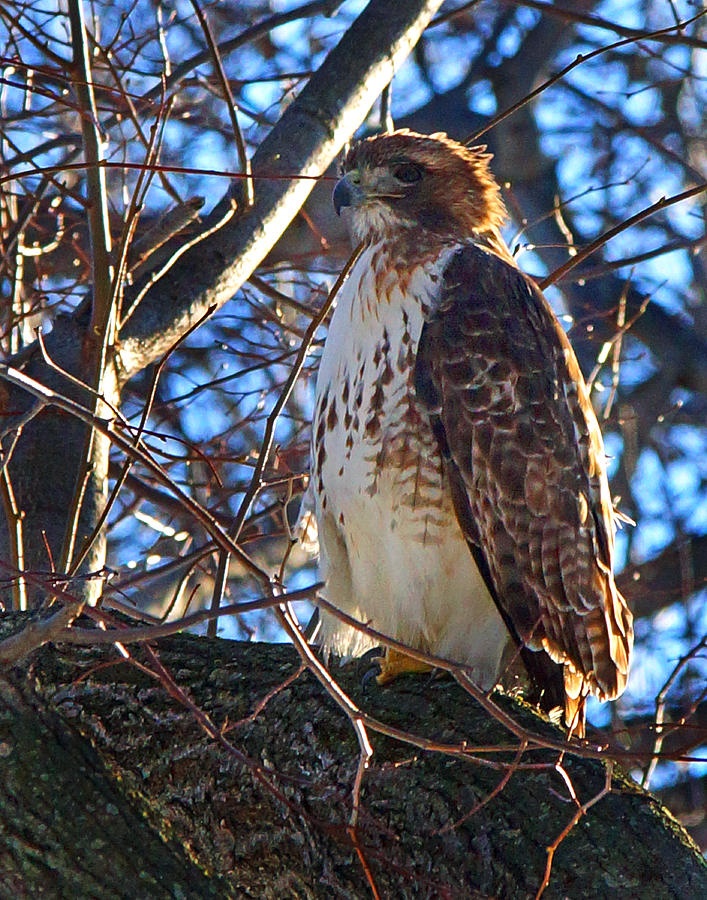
{"x":36,"y":633}
{"x":307,"y":10}
{"x":592,"y":247}
{"x":660,"y":731}
{"x":90,"y":637}
{"x":305,"y":346}
{"x":15,"y":428}
{"x":256,"y":482}
{"x":386,"y":105}
{"x":289,"y":622}
{"x":570,"y":825}
{"x":14,"y":526}
{"x":464,"y":675}
{"x":157,"y":274}
{"x":31,"y":36}
{"x":310,"y":132}
{"x":580,"y":60}
{"x":97,"y":192}
{"x":173,"y":222}
{"x":572,"y":15}
{"x":507,"y":775}
{"x":120,"y":480}
{"x":230,"y":103}
{"x":101,"y":334}
{"x":611,"y":265}
{"x":109,"y":429}
{"x":231,"y":175}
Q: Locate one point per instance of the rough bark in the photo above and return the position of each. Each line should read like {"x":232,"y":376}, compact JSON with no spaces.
{"x":111,"y":789}
{"x":68,"y":828}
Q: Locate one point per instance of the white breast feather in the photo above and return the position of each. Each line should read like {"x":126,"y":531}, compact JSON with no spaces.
{"x":391,"y":550}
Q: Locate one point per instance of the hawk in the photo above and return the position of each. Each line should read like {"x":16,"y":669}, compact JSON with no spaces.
{"x":458,"y":475}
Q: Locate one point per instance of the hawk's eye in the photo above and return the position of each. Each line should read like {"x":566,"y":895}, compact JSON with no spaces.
{"x":408,"y":173}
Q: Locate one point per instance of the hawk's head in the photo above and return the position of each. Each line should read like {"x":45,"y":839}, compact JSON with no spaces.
{"x":405,"y":180}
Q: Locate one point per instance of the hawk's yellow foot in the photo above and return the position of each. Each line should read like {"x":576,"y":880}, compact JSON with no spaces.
{"x":395,"y":663}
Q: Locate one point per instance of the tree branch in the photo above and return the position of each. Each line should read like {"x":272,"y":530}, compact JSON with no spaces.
{"x":153,"y":764}
{"x":303,"y":143}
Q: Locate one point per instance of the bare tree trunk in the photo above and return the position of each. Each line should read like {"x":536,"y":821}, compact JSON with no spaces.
{"x":111,"y":789}
{"x":47,"y":459}
{"x":68,"y":828}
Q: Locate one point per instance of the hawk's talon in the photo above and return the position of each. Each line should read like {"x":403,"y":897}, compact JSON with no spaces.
{"x":395,"y":663}
{"x":373,"y":672}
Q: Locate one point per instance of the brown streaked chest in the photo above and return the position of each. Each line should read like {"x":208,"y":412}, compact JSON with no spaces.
{"x":370,"y":437}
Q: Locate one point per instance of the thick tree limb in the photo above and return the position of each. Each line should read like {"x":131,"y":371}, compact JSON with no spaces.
{"x":69,"y":828}
{"x":114,"y":741}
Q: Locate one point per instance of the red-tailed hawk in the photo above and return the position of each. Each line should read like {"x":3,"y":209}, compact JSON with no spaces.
{"x":458,"y":471}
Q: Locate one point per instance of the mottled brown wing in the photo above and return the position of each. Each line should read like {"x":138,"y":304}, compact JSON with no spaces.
{"x":508,"y":402}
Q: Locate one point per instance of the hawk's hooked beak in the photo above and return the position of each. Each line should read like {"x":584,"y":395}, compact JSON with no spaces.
{"x":348,"y":192}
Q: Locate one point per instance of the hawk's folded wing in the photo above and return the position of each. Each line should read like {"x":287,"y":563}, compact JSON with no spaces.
{"x":527,"y":468}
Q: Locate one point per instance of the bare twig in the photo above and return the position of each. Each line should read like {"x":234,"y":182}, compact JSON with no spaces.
{"x":151,"y":632}
{"x":252,"y":33}
{"x":36,"y":633}
{"x":660,"y":731}
{"x":103,"y":324}
{"x":581,"y":811}
{"x":637,"y":34}
{"x":580,"y":60}
{"x":386,"y":114}
{"x":592,"y":247}
{"x":172,"y":223}
{"x":120,"y":480}
{"x":16,"y":430}
{"x":155,"y":276}
{"x":230,"y":103}
{"x":507,"y":775}
{"x":256,"y":482}
{"x":591,"y":749}
{"x":612,"y":265}
{"x":289,"y":622}
{"x":109,"y":429}
{"x":15,"y":533}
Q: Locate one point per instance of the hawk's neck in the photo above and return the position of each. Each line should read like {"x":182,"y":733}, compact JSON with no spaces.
{"x":394,"y":274}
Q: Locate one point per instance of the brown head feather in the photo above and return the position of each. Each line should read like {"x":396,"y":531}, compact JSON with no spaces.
{"x":457,"y":195}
